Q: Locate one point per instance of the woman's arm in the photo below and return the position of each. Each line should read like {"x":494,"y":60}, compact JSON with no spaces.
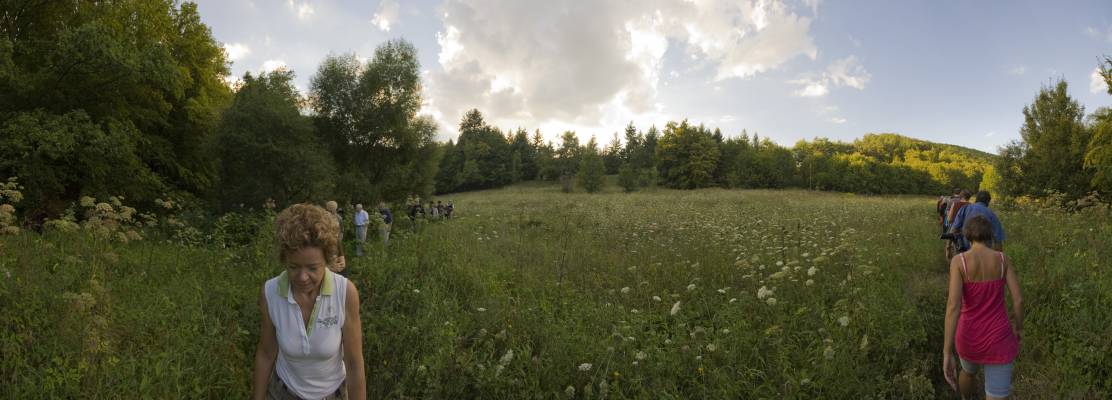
{"x":353,"y":346}
{"x":953,"y":311}
{"x":1017,"y":298}
{"x":265,"y":353}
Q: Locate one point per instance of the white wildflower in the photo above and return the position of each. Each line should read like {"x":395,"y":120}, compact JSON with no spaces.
{"x":585,"y":367}
{"x":570,"y":391}
{"x":507,"y":358}
{"x":779,"y":263}
{"x":640,"y":355}
{"x":656,"y":298}
{"x":675,"y":309}
{"x":711,"y":347}
{"x":733,"y":300}
{"x":771,"y":301}
{"x":480,"y":309}
{"x":810,"y":282}
{"x":812,"y":271}
{"x":418,"y":291}
{"x":764,"y":292}
{"x":844,"y":320}
{"x":828,"y":353}
{"x":625,"y":290}
{"x":691,"y":287}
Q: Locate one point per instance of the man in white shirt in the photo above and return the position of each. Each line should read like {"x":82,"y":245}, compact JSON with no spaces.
{"x":361,"y":221}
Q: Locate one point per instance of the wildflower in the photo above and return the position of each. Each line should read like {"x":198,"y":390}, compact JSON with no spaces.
{"x":864,"y":343}
{"x":570,"y":391}
{"x":422,"y":369}
{"x":625,"y":290}
{"x":640,"y":355}
{"x":691,"y":287}
{"x":809,"y":282}
{"x":667,"y":341}
{"x":480,"y":309}
{"x":805,"y":255}
{"x":634,"y":311}
{"x":777,"y":275}
{"x":417,"y":291}
{"x":711,"y":347}
{"x":87,"y":201}
{"x":844,"y":320}
{"x":812,"y":271}
{"x":771,"y":301}
{"x":779,"y":263}
{"x":700,"y":370}
{"x":725,"y":331}
{"x":675,"y":308}
{"x":764,"y":292}
{"x":733,"y":300}
{"x":828,"y":353}
{"x":723,"y":291}
{"x":585,"y":367}
{"x":656,"y":298}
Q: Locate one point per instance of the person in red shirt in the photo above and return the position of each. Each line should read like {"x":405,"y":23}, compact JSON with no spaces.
{"x":977,"y":323}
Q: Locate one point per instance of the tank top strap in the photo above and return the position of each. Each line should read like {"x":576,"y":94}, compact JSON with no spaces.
{"x":964,"y":271}
{"x":1002,"y":265}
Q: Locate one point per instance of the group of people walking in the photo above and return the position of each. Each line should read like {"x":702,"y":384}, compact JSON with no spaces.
{"x":436,"y":210}
{"x":977,"y":325}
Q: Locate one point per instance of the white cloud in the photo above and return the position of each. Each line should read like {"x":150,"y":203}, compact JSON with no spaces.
{"x":302,"y":9}
{"x":1096,"y":82}
{"x":273,"y":64}
{"x":843,"y":72}
{"x":990,"y":134}
{"x":811,"y":87}
{"x":557,"y":64}
{"x":838,"y":120}
{"x":1095,"y":33}
{"x":386,"y":15}
{"x":236,"y":51}
{"x":848,"y":72}
{"x":1017,"y":71}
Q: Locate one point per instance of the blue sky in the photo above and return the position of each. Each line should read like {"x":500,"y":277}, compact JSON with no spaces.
{"x":948,"y":71}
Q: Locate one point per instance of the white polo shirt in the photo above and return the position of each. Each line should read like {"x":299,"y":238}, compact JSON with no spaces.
{"x":310,"y":359}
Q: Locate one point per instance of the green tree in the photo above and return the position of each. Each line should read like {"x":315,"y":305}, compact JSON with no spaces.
{"x":627,"y":177}
{"x":146,"y":75}
{"x":268,"y":149}
{"x":591,"y":169}
{"x":686,"y":156}
{"x":1056,"y":140}
{"x":367,"y":114}
{"x":1098,"y":157}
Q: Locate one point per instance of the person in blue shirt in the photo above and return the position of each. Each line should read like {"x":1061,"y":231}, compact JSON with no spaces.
{"x":980,"y":208}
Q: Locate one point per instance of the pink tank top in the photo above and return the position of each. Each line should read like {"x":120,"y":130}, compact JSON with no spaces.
{"x":984,"y":333}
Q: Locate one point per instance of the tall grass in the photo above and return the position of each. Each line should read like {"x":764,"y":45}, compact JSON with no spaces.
{"x":532,"y":293}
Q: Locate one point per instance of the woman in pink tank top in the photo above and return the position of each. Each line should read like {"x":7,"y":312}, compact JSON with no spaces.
{"x":977,"y":323}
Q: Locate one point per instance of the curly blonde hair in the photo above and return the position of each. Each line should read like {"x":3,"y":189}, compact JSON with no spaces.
{"x":306,"y":225}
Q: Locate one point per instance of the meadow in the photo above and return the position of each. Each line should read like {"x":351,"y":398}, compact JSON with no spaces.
{"x":533,"y":293}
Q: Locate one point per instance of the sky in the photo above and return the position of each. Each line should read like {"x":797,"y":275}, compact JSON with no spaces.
{"x":948,"y":71}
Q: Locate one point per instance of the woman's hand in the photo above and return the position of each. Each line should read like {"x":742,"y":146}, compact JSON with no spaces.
{"x":949,"y":370}
{"x":340,"y":265}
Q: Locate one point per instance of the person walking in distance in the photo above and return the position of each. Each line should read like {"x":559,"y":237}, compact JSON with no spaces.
{"x":361,"y":221}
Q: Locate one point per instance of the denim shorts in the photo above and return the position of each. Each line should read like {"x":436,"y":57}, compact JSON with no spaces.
{"x":998,"y":377}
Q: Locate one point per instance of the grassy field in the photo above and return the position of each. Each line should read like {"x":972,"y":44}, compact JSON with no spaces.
{"x":532,"y":293}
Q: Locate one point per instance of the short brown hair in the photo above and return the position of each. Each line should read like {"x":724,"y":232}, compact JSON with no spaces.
{"x":977,"y":229}
{"x":306,"y":225}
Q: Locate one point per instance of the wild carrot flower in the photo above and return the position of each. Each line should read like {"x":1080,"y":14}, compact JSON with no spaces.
{"x":675,"y":309}
{"x":844,"y":320}
{"x":585,"y":367}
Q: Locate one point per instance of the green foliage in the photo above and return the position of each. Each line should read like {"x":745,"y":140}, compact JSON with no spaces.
{"x":591,"y":171}
{"x":686,"y":156}
{"x":1055,"y":142}
{"x":481,"y":158}
{"x":1098,"y":157}
{"x":138,"y":80}
{"x":627,"y":178}
{"x":268,"y":150}
{"x":367,"y":115}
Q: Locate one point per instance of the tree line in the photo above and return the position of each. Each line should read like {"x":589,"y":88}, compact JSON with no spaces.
{"x":687,"y":156}
{"x":129,"y":99}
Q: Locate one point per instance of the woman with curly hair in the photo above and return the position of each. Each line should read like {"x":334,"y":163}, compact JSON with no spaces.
{"x":310,"y":344}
